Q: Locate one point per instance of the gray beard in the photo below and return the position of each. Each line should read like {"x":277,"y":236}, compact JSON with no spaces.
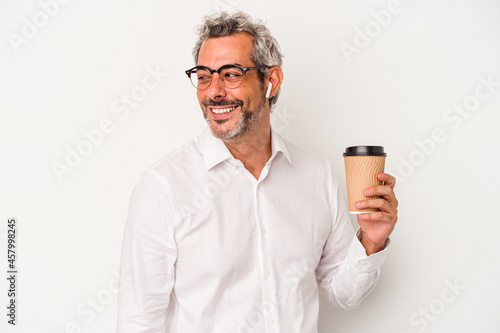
{"x":248,"y":120}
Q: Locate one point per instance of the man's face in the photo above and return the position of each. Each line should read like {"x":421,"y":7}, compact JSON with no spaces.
{"x":231,"y":112}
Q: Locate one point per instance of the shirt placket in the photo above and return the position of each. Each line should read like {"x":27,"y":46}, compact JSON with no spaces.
{"x":269,"y":307}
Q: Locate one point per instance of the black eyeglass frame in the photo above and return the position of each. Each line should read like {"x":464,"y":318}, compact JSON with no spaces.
{"x":212,"y":71}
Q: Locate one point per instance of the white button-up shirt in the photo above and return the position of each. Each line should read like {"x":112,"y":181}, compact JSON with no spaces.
{"x":230,"y":253}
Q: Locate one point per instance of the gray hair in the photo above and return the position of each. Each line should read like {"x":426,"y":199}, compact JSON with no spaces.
{"x":265,"y":48}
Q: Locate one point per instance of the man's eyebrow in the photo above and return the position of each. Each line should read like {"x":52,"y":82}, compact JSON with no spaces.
{"x":233,"y":64}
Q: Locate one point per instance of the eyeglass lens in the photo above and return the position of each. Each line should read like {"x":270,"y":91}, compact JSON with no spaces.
{"x":231,"y":77}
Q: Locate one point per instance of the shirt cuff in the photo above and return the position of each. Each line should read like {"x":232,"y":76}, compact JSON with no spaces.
{"x":364,"y":263}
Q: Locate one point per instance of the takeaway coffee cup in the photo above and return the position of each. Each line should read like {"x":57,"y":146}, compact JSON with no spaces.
{"x":362,"y":164}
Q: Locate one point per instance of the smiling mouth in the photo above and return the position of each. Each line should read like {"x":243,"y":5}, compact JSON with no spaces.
{"x":221,"y":111}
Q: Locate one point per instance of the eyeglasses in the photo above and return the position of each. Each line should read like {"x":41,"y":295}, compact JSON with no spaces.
{"x":231,"y":76}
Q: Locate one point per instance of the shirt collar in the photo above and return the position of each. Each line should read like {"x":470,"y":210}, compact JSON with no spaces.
{"x":279,"y":145}
{"x":215,"y":151}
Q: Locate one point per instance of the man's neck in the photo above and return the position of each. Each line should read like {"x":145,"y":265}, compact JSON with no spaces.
{"x":252,"y":149}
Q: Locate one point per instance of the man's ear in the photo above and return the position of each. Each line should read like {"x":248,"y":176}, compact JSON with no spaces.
{"x":275,"y":78}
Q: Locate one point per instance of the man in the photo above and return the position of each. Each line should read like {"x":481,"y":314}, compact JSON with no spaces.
{"x":236,"y":229}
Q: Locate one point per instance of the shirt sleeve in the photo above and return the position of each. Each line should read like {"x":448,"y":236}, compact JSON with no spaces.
{"x":345,"y":272}
{"x":148,"y":257}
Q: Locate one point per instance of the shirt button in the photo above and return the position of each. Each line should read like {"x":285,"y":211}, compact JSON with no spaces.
{"x":271,"y":320}
{"x":234,"y":162}
{"x":268,"y":272}
{"x":263,"y":230}
{"x":363,"y":263}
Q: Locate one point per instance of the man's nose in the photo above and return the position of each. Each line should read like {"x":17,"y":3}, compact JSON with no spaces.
{"x":216,"y":90}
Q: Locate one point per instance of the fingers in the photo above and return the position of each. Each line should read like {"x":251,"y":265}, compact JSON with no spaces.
{"x":382,"y":190}
{"x":386,"y":190}
{"x":387,"y":179}
{"x":377,"y":226}
{"x":385,"y":200}
{"x":376,"y":216}
{"x":381,"y":204}
{"x":388,"y":209}
{"x":381,"y":216}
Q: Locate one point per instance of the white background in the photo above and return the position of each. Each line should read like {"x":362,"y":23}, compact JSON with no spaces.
{"x":64,"y":77}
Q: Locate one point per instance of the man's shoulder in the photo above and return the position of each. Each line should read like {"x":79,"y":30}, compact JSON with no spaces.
{"x":309,"y":168}
{"x":301,"y":155}
{"x":179,"y":161}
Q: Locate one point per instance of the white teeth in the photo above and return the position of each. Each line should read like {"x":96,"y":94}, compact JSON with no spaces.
{"x":226,"y":110}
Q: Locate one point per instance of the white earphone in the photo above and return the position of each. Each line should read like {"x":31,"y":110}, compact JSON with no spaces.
{"x":269,"y":88}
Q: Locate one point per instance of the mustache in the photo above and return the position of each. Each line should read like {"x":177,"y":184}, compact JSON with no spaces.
{"x":223,"y":102}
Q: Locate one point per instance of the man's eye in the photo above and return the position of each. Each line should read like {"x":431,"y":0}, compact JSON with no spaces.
{"x":203,"y":77}
{"x":232,"y":75}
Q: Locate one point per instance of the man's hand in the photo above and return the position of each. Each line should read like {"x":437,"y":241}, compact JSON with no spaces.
{"x":376,"y":227}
